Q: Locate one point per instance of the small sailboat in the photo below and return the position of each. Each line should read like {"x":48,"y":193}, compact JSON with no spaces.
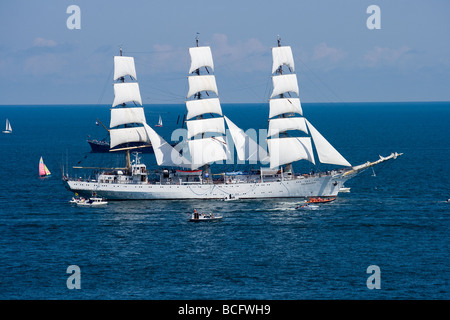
{"x":159,"y":124}
{"x":8,"y":128}
{"x":43,"y":170}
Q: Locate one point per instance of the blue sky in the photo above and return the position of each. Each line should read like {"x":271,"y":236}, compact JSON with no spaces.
{"x":337,"y":57}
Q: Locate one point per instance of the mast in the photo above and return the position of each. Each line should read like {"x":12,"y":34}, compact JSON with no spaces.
{"x":128,"y":162}
{"x":288,"y":166}
{"x":127,"y":122}
{"x":286,"y":114}
{"x":208,"y":143}
{"x":283,"y":149}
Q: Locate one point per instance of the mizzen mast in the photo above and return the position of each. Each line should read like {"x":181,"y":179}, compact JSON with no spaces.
{"x":127,"y":122}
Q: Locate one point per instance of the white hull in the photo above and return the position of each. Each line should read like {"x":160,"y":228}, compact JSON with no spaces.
{"x":94,"y":204}
{"x":323,"y":186}
{"x":183,"y":185}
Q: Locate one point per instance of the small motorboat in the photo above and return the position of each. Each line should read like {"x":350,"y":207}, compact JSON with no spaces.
{"x":196,"y":217}
{"x":230,"y":198}
{"x":93,"y":201}
{"x":75,"y":200}
{"x":320,"y":200}
{"x":307,"y":207}
{"x":344,"y":190}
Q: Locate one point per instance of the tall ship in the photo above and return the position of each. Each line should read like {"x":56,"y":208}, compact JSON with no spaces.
{"x":185,"y":169}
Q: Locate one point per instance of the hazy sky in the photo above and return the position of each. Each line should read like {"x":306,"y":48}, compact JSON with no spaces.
{"x":337,"y":57}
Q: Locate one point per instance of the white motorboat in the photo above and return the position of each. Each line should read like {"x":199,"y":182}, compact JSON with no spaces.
{"x":230,"y":197}
{"x":197,"y":217}
{"x":94,"y":201}
{"x":75,"y":200}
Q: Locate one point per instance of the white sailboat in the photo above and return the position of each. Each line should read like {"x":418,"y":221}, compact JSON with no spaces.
{"x":8,"y":128}
{"x":207,"y":143}
{"x":160,"y":123}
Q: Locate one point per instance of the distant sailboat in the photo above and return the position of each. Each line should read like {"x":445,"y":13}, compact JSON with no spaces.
{"x":43,"y":170}
{"x":160,"y":124}
{"x":8,"y":127}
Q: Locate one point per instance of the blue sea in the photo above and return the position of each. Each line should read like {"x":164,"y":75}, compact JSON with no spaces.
{"x":395,"y":217}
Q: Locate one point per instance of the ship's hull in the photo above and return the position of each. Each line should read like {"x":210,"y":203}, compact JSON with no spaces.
{"x":98,"y":146}
{"x":323,"y":186}
{"x":103,"y":147}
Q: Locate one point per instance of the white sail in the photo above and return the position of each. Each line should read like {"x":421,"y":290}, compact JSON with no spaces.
{"x":242,"y":140}
{"x":195,"y":127}
{"x":199,"y":107}
{"x":282,"y":56}
{"x":125,"y":135}
{"x":202,"y":83}
{"x":124,"y":66}
{"x":126,"y":92}
{"x":165,"y":154}
{"x":326,"y":152}
{"x":8,"y":128}
{"x":207,"y":150}
{"x":284,"y":105}
{"x":120,"y":116}
{"x":284,"y":124}
{"x":284,"y":83}
{"x":200,"y":57}
{"x":288,"y":150}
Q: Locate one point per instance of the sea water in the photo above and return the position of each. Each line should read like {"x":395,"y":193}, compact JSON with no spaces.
{"x":395,"y":217}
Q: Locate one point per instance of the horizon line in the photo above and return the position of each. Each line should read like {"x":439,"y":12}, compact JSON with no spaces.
{"x":223,"y":103}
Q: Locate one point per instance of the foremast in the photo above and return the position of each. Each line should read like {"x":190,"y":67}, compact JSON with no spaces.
{"x":286,"y":114}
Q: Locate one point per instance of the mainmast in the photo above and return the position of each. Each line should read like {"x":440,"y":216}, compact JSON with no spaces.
{"x":283,"y":149}
{"x":280,"y":68}
{"x":208,"y":143}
